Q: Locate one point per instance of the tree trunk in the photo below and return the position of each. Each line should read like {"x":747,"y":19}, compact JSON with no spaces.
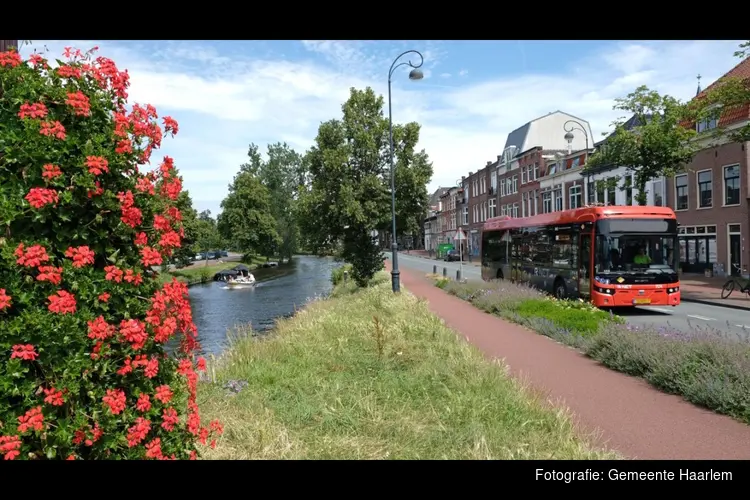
{"x":642,"y":197}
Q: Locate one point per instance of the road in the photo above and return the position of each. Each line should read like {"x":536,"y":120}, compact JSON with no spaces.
{"x":686,"y":316}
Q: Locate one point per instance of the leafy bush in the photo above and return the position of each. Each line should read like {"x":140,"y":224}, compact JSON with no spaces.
{"x":83,"y":318}
{"x":705,"y":367}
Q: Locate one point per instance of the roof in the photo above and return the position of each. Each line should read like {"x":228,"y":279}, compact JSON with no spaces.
{"x":736,"y":113}
{"x":520,"y":135}
{"x":585,"y":214}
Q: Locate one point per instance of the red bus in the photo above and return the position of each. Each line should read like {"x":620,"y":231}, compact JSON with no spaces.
{"x":615,"y":256}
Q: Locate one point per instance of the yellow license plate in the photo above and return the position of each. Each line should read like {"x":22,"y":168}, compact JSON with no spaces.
{"x":641,"y":301}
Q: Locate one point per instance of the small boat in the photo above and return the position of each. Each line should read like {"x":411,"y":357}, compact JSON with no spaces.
{"x":239,"y":277}
{"x":241,"y":282}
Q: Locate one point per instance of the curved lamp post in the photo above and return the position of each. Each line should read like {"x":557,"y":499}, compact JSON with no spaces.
{"x":414,"y":74}
{"x":569,"y":126}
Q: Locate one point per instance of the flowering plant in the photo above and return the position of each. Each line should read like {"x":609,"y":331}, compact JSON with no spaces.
{"x":84,"y":373}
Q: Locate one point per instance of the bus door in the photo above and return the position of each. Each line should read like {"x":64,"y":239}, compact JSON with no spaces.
{"x":585,"y":265}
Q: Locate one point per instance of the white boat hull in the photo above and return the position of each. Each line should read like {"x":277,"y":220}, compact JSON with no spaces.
{"x":235,"y":284}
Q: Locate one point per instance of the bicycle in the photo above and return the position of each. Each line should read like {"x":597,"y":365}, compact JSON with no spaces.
{"x":733,"y":282}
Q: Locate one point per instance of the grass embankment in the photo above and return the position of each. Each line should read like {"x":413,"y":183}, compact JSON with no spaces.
{"x":367,"y":374}
{"x":706,"y":367}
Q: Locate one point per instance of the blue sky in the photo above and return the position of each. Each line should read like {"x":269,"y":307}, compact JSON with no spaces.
{"x":227,"y":94}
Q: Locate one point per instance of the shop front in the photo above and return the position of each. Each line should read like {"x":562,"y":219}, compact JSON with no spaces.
{"x":698,"y":250}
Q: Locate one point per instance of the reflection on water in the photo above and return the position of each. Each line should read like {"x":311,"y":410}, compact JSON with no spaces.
{"x":216,"y":309}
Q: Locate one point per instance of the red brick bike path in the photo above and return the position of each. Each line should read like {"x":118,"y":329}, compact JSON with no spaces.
{"x":620,"y":412}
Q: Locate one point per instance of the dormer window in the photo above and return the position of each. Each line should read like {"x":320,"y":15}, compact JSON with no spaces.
{"x":709,"y":123}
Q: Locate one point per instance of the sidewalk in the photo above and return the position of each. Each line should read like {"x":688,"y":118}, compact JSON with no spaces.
{"x":697,"y":288}
{"x":621,"y":412}
{"x":422,"y":254}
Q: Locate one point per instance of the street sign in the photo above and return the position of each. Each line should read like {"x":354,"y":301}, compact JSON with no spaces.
{"x":460,"y":236}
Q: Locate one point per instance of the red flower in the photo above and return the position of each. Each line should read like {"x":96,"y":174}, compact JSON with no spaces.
{"x":152,"y":368}
{"x":144,"y":403}
{"x":170,"y":126}
{"x":79,"y":102}
{"x":95,"y":192}
{"x":10,"y":58}
{"x":32,"y":256}
{"x":126,"y":368}
{"x":66,"y":71}
{"x":10,"y":446}
{"x":132,"y":277}
{"x":138,"y":431}
{"x":36,"y":110}
{"x":51,"y":171}
{"x":141,"y":239}
{"x":31,"y":420}
{"x":99,"y":329}
{"x":163,"y":394}
{"x":25,"y":352}
{"x":53,"y":129}
{"x":193,"y":455}
{"x":50,"y":273}
{"x":62,"y":302}
{"x":4,"y":300}
{"x":104,"y":297}
{"x":166,"y":167}
{"x":172,"y":188}
{"x":131,"y":216}
{"x":144,"y":185}
{"x":37,"y":60}
{"x":170,"y":240}
{"x":97,"y":164}
{"x":39,"y":197}
{"x":201,"y":364}
{"x":153,"y":449}
{"x":115,"y":400}
{"x":54,"y":397}
{"x":81,"y":256}
{"x":169,"y":419}
{"x":113,"y":274}
{"x":124,"y":146}
{"x":150,"y":257}
{"x":71,"y":457}
{"x":134,"y":331}
{"x":216,"y":427}
{"x":161,"y":223}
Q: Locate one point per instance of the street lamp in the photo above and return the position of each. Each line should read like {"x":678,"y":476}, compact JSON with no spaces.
{"x":569,"y":126}
{"x":414,"y":74}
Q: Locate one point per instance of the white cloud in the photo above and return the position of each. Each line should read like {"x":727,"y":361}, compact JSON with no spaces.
{"x":224,"y":100}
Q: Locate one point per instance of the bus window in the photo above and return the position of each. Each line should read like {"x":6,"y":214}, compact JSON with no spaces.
{"x":632,"y":252}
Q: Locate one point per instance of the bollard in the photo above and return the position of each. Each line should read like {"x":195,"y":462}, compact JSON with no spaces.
{"x":434,"y":269}
{"x":458,"y":275}
{"x":445,"y":272}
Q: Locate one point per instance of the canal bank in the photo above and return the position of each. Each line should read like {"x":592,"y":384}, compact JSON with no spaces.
{"x":372,"y":375}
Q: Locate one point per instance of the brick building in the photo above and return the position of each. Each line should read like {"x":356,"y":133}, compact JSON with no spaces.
{"x":448,"y":215}
{"x":478,"y":205}
{"x":711,"y":196}
{"x":432,"y":226}
{"x":536,"y":144}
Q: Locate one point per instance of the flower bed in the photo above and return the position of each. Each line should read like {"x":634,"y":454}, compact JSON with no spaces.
{"x":706,"y":367}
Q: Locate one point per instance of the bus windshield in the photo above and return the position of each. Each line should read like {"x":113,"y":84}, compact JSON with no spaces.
{"x":636,"y":249}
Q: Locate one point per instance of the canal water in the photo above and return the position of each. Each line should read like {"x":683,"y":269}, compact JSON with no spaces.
{"x":217,"y":310}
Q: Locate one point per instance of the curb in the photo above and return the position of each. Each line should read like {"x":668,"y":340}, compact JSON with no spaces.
{"x":715,"y":304}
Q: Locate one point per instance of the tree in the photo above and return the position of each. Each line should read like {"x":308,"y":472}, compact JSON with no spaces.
{"x":207,"y":235}
{"x":657,"y":145}
{"x":722,"y":97}
{"x":281,"y":175}
{"x":246,"y":219}
{"x":348,"y":194}
{"x":184,"y":255}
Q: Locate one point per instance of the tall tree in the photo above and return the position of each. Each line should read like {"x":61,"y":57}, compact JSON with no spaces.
{"x":207,"y":235}
{"x":280,"y":174}
{"x":728,"y":93}
{"x":656,"y":146}
{"x":349,"y":183}
{"x":246,"y":219}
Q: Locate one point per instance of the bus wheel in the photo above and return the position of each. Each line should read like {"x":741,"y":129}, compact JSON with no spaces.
{"x":561,"y":291}
{"x":500,"y":274}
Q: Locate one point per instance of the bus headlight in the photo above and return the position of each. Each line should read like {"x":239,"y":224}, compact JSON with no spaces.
{"x":673,"y":289}
{"x":607,"y":291}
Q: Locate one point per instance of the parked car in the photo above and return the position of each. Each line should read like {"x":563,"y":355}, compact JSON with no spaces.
{"x":452,"y":255}
{"x":224,"y":253}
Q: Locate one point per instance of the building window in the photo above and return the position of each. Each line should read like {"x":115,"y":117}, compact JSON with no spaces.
{"x":466,"y":216}
{"x":536,"y":171}
{"x":612,"y":191}
{"x":600,"y":189}
{"x":732,"y":185}
{"x":591,"y":192}
{"x":502,"y":188}
{"x":515,"y":183}
{"x":474,"y":214}
{"x":524,"y":204}
{"x":508,"y":186}
{"x":681,"y":192}
{"x":707,"y":124}
{"x":558,"y":199}
{"x":657,"y":188}
{"x":535,"y":197}
{"x":705,"y":189}
{"x":493,"y":208}
{"x":628,"y":188}
{"x":515,"y":210}
{"x":546,"y":202}
{"x":493,"y":181}
{"x":502,"y":210}
{"x":574,"y":193}
{"x":523,"y":175}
